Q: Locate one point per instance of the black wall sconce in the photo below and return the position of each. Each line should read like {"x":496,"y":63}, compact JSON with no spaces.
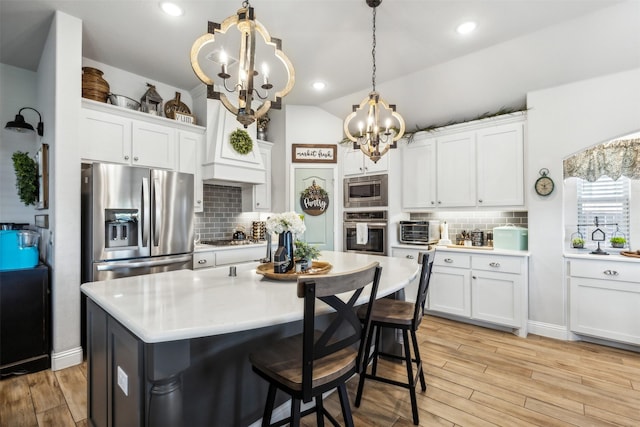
{"x":19,"y":125}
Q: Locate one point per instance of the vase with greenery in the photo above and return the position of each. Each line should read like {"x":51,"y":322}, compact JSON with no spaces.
{"x":618,"y":241}
{"x":288,"y":225}
{"x":306,"y":253}
{"x":26,"y":177}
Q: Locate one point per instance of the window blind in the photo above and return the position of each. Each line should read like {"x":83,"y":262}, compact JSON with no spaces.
{"x":609,"y":201}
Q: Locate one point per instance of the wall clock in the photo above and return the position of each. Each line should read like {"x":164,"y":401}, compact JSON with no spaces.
{"x":544,"y":184}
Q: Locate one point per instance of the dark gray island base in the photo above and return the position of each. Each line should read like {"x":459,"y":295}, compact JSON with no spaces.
{"x":172,"y":349}
{"x":194,"y":382}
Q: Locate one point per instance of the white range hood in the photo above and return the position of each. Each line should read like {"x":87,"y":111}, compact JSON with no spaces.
{"x":221,"y":164}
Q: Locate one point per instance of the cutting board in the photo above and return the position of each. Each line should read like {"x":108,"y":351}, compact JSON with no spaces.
{"x":483,"y":248}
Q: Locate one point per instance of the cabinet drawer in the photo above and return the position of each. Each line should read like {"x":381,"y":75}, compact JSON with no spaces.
{"x":608,"y":270}
{"x":500,"y":264}
{"x":235,"y":256}
{"x":204,"y":260}
{"x":452,"y":259}
{"x":408,"y":253}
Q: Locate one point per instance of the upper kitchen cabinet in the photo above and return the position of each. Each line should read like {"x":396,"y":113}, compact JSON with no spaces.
{"x":500,"y":162}
{"x":356,"y":163}
{"x":475,"y":164}
{"x":419,"y":173}
{"x":116,"y":135}
{"x":189,"y":161}
{"x":456,"y":170}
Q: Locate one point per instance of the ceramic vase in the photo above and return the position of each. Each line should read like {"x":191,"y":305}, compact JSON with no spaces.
{"x":285,"y":240}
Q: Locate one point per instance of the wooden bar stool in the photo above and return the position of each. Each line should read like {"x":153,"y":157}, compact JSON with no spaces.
{"x":328,"y":352}
{"x":399,"y":315}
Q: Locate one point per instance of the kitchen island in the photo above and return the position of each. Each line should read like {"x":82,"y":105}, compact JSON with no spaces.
{"x":172,"y":348}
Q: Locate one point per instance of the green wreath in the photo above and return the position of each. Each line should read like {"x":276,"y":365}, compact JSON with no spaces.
{"x":26,"y":177}
{"x":241,"y":141}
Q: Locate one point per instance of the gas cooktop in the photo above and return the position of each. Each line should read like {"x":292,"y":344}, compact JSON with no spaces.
{"x":233,"y":242}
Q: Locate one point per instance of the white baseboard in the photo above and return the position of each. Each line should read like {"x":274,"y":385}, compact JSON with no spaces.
{"x":549,"y":330}
{"x":66,"y":359}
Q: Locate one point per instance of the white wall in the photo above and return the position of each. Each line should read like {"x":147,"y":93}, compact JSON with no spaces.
{"x":561,"y":121}
{"x":59,"y":89}
{"x":17,"y":90}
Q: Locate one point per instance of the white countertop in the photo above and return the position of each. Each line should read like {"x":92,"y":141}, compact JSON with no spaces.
{"x":586,"y":254}
{"x":494,"y":251}
{"x":188,"y":304}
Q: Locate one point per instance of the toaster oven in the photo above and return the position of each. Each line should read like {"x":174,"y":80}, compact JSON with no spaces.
{"x":419,"y":232}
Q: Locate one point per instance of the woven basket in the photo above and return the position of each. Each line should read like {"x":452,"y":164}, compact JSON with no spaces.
{"x":93,"y":85}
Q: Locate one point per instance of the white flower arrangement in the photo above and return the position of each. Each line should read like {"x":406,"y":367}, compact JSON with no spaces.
{"x":286,"y":221}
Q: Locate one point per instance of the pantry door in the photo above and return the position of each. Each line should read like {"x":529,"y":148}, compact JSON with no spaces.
{"x":319,"y":218}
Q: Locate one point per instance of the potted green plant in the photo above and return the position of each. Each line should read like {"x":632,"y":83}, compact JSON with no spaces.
{"x":305,"y":254}
{"x":618,"y":241}
{"x":577,"y":242}
{"x":26,"y":177}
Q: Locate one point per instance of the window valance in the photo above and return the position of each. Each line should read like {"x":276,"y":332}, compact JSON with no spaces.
{"x":613,"y":159}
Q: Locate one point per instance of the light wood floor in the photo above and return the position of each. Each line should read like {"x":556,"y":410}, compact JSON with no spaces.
{"x":475,"y":377}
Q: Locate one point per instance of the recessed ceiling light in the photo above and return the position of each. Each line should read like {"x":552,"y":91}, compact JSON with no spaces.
{"x":171,"y":8}
{"x":319,"y":85}
{"x":466,"y":27}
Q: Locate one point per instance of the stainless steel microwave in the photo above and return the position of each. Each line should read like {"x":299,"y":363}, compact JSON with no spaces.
{"x":366,"y":191}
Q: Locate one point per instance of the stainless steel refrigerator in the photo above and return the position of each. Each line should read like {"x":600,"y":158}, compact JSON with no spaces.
{"x":135,"y":221}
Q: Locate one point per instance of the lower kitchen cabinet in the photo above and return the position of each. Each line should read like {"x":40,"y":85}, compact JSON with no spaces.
{"x":487,"y":288}
{"x":222,"y":257}
{"x":24,"y":321}
{"x":604,"y":299}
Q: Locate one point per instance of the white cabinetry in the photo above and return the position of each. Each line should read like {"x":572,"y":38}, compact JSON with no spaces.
{"x":475,"y":164}
{"x":116,"y":135}
{"x":487,"y":288}
{"x":456,"y":170}
{"x":189,"y":161}
{"x":419,"y":173}
{"x":257,"y":198}
{"x":356,"y":163}
{"x":231,"y":256}
{"x":500,"y":154}
{"x":604,"y":299}
{"x":414,"y":253}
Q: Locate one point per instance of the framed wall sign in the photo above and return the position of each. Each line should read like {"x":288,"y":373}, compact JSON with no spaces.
{"x":314,"y":153}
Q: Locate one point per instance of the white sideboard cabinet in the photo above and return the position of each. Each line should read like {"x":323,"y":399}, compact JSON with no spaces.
{"x":604,"y":298}
{"x":491,"y":288}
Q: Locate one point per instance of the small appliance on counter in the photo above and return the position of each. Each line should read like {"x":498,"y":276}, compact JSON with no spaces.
{"x":511,"y":237}
{"x":18,"y":249}
{"x":419,"y":232}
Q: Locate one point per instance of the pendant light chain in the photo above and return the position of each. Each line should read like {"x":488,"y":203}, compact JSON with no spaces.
{"x":373,"y":52}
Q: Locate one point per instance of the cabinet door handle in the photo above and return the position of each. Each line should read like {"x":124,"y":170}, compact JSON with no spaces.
{"x":199,"y":201}
{"x":202,"y":261}
{"x":360,"y":169}
{"x":611,"y":272}
{"x":409,"y":256}
{"x":439,"y":202}
{"x":474,"y":277}
{"x":480,"y":201}
{"x":433,"y":203}
{"x":135,"y":158}
{"x":126,"y":157}
{"x":494,"y":264}
{"x":448,"y":260}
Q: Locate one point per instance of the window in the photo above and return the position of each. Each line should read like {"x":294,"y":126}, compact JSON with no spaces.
{"x":609,"y":201}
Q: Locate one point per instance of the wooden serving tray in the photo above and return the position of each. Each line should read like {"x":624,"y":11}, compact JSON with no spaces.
{"x":631,"y":254}
{"x":317,"y":267}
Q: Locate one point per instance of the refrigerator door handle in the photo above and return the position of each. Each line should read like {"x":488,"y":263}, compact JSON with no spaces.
{"x":136,"y":264}
{"x":145,"y":212}
{"x":157,"y":217}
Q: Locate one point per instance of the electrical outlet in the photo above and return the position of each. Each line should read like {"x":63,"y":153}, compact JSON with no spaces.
{"x":123,"y":381}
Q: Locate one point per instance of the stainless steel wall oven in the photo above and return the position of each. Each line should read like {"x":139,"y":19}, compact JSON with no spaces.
{"x":366,"y":232}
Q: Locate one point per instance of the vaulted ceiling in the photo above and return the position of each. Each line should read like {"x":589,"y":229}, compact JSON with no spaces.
{"x":423,"y":65}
